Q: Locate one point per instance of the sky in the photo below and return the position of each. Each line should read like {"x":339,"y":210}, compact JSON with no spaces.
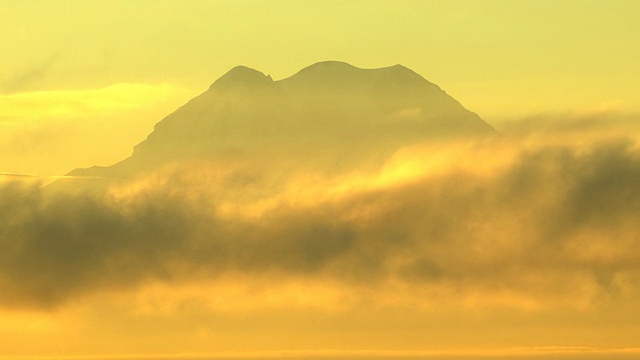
{"x":74,"y":71}
{"x":524,"y":245}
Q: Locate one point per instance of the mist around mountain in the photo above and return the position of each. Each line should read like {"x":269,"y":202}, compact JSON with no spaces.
{"x":337,"y":209}
{"x":330,"y":114}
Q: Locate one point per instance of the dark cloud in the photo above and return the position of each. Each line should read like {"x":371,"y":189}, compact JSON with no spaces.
{"x":59,"y":246}
{"x":555,"y":214}
{"x":31,"y":78}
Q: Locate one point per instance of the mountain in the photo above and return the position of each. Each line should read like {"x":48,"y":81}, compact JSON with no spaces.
{"x":330,"y":111}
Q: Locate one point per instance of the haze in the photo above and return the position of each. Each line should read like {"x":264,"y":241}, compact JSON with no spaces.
{"x":245,"y":179}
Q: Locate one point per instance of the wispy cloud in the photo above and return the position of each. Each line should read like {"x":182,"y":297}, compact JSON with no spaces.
{"x":53,"y":132}
{"x":30,"y":78}
{"x":81,"y":103}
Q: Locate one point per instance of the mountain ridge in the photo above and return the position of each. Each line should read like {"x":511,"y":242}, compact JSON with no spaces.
{"x":328,"y":107}
{"x":241,"y":75}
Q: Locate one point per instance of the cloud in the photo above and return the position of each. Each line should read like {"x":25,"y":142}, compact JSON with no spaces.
{"x":31,"y":77}
{"x":498,"y":223}
{"x":597,"y":123}
{"x":65,"y":104}
{"x":52,"y":132}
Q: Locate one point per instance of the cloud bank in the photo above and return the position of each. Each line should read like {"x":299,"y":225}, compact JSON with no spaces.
{"x":536,"y":219}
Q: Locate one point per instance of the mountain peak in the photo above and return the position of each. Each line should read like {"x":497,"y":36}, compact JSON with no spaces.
{"x":329,"y":67}
{"x":319,"y":110}
{"x":330,"y":64}
{"x":241,"y":75}
{"x":401,"y":68}
{"x":333,"y":72}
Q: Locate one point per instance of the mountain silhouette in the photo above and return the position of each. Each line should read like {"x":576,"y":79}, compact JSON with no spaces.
{"x":329,"y":111}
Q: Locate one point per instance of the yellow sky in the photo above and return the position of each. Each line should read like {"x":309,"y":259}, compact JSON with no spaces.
{"x":501,"y":59}
{"x":522,"y":245}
